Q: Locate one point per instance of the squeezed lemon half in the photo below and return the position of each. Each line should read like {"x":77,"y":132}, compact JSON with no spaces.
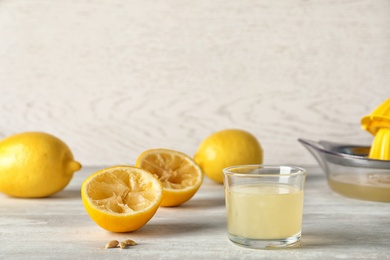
{"x":180,"y":176}
{"x":121,"y":198}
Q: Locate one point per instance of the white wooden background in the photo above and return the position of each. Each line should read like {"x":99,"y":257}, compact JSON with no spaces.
{"x":113,"y":78}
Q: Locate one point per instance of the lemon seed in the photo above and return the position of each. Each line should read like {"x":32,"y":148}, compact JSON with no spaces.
{"x":130,"y":242}
{"x":123,"y":245}
{"x":112,"y":244}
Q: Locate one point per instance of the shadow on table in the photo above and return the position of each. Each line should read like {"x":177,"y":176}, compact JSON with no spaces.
{"x":67,"y":194}
{"x":338,"y":237}
{"x":175,"y":228}
{"x":203,"y":203}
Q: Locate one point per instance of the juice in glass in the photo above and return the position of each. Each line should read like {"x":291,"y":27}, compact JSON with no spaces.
{"x":264,"y":211}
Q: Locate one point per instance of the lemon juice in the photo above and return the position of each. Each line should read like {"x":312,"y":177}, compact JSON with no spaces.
{"x":264,"y":211}
{"x":375,"y":189}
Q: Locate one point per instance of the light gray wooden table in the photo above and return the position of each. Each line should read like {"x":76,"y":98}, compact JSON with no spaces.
{"x":59,"y":228}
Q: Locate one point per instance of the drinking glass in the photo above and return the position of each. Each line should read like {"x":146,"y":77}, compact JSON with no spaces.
{"x":264,"y":205}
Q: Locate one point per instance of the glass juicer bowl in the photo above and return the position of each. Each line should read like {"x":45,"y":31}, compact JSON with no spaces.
{"x":350,"y":172}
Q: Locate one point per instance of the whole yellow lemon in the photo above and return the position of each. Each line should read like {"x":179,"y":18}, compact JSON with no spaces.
{"x":227,"y":148}
{"x":35,"y":164}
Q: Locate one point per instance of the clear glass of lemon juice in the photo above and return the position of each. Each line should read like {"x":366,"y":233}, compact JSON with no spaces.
{"x":264,"y":205}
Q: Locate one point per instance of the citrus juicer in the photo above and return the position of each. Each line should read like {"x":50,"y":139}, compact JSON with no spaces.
{"x":378,"y":124}
{"x":358,"y":171}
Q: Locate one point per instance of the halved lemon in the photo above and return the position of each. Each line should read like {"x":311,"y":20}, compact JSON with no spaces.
{"x":121,"y":198}
{"x":179,"y":174}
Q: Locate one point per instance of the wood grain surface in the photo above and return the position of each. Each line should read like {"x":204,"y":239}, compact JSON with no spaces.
{"x":113,"y":78}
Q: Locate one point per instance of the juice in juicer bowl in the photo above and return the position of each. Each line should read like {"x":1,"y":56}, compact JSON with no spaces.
{"x":350,"y":172}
